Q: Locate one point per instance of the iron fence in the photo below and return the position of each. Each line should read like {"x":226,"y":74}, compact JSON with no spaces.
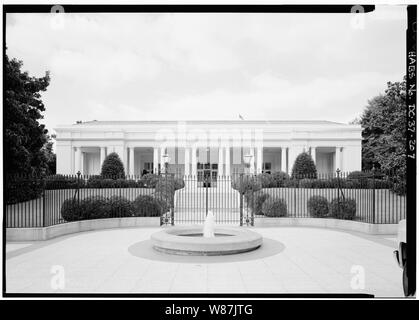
{"x":236,"y":199}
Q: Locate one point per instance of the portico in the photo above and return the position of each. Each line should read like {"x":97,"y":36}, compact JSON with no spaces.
{"x":215,"y":148}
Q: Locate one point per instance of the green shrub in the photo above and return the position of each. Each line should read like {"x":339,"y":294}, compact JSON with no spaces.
{"x":112,"y":167}
{"x":95,"y":207}
{"x":100,"y":182}
{"x":318,"y":206}
{"x":273,"y":180}
{"x":246,"y":183}
{"x":343,"y":208}
{"x":147,"y":206}
{"x":150,"y":180}
{"x":255,"y":200}
{"x":304,"y":167}
{"x":179,"y":183}
{"x":274,"y":207}
{"x":59,"y":181}
{"x":120,"y":207}
{"x":359,"y":175}
{"x":70,"y":210}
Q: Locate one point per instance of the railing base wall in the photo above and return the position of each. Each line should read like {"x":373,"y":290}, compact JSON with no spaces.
{"x":39,"y":234}
{"x":336,"y":224}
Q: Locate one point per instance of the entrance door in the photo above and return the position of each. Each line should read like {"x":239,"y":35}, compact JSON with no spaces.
{"x":207,"y":174}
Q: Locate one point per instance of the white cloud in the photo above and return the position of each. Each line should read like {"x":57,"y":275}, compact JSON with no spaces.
{"x":194,"y":66}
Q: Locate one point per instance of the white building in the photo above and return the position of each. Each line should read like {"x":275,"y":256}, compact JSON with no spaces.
{"x":207,"y":147}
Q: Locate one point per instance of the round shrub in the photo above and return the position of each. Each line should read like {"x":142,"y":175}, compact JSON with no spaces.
{"x":147,"y":206}
{"x":274,"y":207}
{"x":304,"y":167}
{"x":120,"y":207}
{"x":318,"y":206}
{"x":246,"y":183}
{"x":112,"y":167}
{"x":94,"y":207}
{"x":343,"y":208}
{"x":70,"y":210}
{"x":255,"y":201}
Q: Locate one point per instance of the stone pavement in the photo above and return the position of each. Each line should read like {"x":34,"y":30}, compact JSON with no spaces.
{"x":292,"y":260}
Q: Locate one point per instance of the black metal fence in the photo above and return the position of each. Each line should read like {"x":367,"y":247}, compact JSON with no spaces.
{"x":238,"y":199}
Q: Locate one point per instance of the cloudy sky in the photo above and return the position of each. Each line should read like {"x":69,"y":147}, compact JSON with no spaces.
{"x":210,"y":66}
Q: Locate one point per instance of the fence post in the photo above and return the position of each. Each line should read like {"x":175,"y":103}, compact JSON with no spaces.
{"x":338,"y":189}
{"x":172,"y":210}
{"x":206,"y":184}
{"x":241,"y":199}
{"x":78,"y":192}
{"x":43,"y":208}
{"x":373,"y":194}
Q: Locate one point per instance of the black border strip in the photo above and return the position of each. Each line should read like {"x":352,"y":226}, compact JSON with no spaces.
{"x":411,"y":165}
{"x":411,"y":143}
{"x":70,"y":8}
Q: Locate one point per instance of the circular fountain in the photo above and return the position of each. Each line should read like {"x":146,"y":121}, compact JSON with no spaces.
{"x":207,"y":241}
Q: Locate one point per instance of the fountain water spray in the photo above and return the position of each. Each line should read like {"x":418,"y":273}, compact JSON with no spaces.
{"x":209,"y":225}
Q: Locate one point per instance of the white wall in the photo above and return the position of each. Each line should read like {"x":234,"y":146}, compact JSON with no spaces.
{"x":64,"y":158}
{"x":352,"y":158}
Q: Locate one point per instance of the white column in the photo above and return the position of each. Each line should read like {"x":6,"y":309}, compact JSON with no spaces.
{"x":102,"y":155}
{"x":155,"y":160}
{"x":162,"y":164}
{"x":259,"y":160}
{"x":227,"y":162}
{"x":220,"y":161}
{"x":338,"y":159}
{"x":284,"y":159}
{"x":77,"y":160}
{"x":313,"y":154}
{"x":187,"y":162}
{"x":131,"y":161}
{"x":82,"y":162}
{"x":193,"y":158}
{"x":252,"y":161}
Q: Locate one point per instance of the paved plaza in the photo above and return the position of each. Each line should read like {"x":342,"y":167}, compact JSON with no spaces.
{"x":291,"y":260}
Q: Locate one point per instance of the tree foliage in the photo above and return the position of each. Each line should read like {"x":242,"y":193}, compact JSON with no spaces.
{"x":26,"y":149}
{"x":384,"y":131}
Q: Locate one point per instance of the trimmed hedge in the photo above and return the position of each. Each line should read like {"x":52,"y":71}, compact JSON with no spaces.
{"x":147,"y":206}
{"x":150,"y":180}
{"x":100,"y":182}
{"x":318,"y":206}
{"x":343,"y":208}
{"x":98,"y":207}
{"x":59,"y":181}
{"x":274,"y":207}
{"x":273,"y":180}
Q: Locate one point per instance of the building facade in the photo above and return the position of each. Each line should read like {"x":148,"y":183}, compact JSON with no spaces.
{"x":211,"y":148}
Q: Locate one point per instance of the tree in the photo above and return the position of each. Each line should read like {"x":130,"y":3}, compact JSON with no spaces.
{"x":304,"y":167}
{"x":113,"y":167}
{"x":25,"y":138}
{"x":384,"y":131}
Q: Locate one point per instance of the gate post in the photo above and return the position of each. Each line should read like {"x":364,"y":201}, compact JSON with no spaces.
{"x":241,"y":199}
{"x":373,"y":194}
{"x":206,"y":184}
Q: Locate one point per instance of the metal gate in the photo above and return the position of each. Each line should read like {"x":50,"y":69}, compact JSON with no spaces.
{"x":202,"y":194}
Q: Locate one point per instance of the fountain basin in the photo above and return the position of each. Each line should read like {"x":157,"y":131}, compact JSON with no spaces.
{"x":188,"y":240}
